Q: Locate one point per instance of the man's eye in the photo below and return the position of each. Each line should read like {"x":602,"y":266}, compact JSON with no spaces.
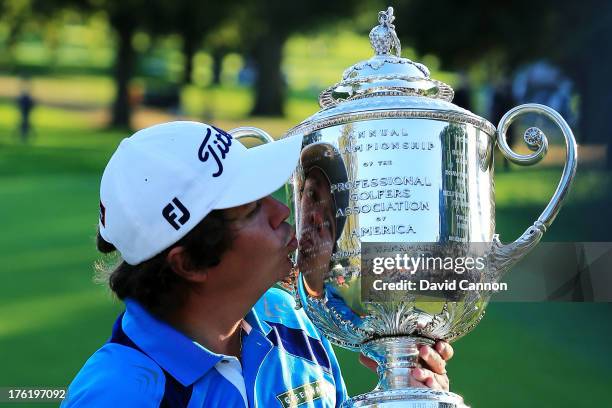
{"x":255,"y":209}
{"x":310,"y":193}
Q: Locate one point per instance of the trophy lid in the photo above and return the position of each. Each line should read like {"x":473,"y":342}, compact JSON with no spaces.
{"x":386,"y":73}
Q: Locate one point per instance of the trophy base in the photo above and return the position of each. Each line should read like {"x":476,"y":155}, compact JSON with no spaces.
{"x":406,"y":398}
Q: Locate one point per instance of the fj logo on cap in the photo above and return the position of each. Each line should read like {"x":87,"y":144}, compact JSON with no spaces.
{"x":170,"y":213}
{"x":217,"y":148}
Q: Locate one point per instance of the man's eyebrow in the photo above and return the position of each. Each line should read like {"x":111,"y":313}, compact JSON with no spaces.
{"x":247,"y":208}
{"x":241,"y":211}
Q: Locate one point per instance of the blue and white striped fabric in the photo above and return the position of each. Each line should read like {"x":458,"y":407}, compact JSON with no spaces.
{"x":147,"y":363}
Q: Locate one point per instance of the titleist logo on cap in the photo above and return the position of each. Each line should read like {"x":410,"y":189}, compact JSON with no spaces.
{"x":218,"y":148}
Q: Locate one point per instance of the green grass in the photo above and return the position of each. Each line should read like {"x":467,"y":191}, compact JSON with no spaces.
{"x":53,"y":316}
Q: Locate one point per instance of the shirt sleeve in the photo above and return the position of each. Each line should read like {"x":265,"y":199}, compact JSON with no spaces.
{"x":341,"y":393}
{"x":117,"y":376}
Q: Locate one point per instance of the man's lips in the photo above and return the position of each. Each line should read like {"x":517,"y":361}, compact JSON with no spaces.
{"x":292,"y":245}
{"x":306,"y":242}
{"x":291,"y":241}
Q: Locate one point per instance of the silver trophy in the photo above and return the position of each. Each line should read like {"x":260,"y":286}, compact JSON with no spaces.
{"x":389,"y":158}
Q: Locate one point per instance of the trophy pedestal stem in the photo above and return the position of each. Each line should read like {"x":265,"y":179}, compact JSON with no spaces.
{"x":396,"y":357}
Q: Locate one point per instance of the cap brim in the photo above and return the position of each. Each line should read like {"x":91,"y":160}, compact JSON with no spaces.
{"x":265,"y":169}
{"x":327,"y":159}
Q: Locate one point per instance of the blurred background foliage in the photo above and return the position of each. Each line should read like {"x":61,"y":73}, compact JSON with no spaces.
{"x":86,"y":73}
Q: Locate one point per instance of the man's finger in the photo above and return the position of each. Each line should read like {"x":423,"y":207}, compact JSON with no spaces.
{"x":420,"y":376}
{"x":415,"y":383}
{"x":428,"y":378}
{"x":433,"y":360}
{"x":442,"y":380}
{"x":423,"y":377}
{"x":445,"y":350}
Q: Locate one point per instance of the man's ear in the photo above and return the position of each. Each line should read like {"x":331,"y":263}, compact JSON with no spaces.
{"x":181,"y":265}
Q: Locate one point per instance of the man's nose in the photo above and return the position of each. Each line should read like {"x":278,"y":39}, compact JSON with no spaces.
{"x":278,"y":212}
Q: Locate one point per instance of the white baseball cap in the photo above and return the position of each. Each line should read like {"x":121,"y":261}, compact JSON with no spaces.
{"x":163,"y":180}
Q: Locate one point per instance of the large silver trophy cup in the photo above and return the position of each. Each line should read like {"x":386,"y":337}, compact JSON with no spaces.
{"x":390,"y":159}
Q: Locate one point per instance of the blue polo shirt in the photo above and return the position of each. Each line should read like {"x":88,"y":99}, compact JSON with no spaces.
{"x":285,"y":363}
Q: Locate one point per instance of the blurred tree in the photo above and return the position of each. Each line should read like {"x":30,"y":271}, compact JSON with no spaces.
{"x":20,"y":16}
{"x":576,"y":36}
{"x":265,"y":27}
{"x":126,"y":17}
{"x":14,"y":15}
{"x":220,"y":42}
{"x":123,"y":18}
{"x":194,"y":20}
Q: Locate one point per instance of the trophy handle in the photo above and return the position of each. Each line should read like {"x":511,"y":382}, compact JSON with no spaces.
{"x":249,"y":131}
{"x":263,"y":136}
{"x":503,"y":256}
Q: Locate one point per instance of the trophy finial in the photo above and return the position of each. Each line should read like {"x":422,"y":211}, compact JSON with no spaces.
{"x":383,"y":37}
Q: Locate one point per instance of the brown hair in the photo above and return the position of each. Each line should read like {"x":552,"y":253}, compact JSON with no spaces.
{"x":153,"y":283}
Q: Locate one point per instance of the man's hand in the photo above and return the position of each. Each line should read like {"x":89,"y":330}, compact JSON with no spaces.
{"x":432,"y":373}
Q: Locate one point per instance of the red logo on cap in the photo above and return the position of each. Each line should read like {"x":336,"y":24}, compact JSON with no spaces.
{"x":102,"y":214}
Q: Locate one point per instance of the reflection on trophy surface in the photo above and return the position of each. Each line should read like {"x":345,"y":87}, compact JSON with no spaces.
{"x":319,"y":227}
{"x":391,"y":166}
